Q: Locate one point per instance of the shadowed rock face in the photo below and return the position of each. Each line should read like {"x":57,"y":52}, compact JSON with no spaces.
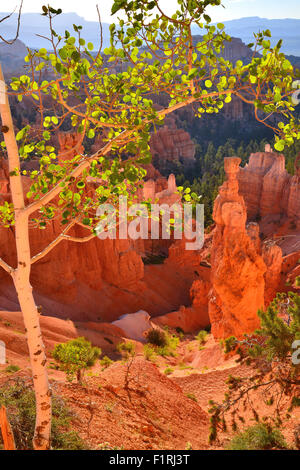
{"x":237,"y":268}
{"x":172,"y":144}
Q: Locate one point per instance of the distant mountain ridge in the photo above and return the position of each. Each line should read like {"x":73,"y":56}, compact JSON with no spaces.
{"x":287,"y":29}
{"x":33,"y":23}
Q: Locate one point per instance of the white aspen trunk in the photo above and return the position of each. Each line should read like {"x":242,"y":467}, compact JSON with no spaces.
{"x":21,"y":278}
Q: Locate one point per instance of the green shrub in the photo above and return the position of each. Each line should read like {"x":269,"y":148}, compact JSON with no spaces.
{"x":184,"y":366}
{"x":202,"y":337}
{"x":297,"y":281}
{"x":163,"y":342}
{"x":168,"y":370}
{"x":179,"y":330}
{"x":127,"y":349}
{"x":191,"y":396}
{"x":75,"y":356}
{"x":12,"y":368}
{"x":258,"y":437}
{"x":106,"y":362}
{"x":170,"y":348}
{"x":108,"y":446}
{"x":157,"y":337}
{"x":149,"y":352}
{"x":19,"y":400}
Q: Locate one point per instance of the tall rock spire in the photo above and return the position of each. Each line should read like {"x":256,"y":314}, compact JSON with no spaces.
{"x":237,"y":267}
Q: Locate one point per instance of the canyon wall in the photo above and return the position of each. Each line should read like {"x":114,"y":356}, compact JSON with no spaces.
{"x":172,"y":144}
{"x":268,"y":189}
{"x":224,"y":283}
{"x":80,"y":274}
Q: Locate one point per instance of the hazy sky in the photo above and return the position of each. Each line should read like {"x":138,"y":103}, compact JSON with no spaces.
{"x":234,"y":8}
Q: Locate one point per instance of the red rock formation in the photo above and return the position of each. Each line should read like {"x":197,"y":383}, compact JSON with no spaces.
{"x":272,"y":256}
{"x":267,"y":187}
{"x":237,"y":268}
{"x":170,"y":143}
{"x":99,"y":277}
{"x":192,"y":318}
{"x":70,"y":145}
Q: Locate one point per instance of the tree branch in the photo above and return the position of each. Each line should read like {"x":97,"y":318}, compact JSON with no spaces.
{"x":51,"y":245}
{"x":62,"y":236}
{"x":18,"y":27}
{"x":6,"y":267}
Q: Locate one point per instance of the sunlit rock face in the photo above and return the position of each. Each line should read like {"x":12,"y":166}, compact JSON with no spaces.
{"x":268,"y":189}
{"x":272,"y":256}
{"x":237,"y":268}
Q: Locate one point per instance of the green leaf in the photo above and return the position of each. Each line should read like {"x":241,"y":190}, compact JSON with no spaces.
{"x":280,"y":145}
{"x":63,"y":53}
{"x":91,"y":133}
{"x":117,"y":6}
{"x":46,"y":135}
{"x":75,"y":56}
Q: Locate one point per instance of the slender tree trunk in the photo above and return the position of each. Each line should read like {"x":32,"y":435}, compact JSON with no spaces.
{"x":21,"y":278}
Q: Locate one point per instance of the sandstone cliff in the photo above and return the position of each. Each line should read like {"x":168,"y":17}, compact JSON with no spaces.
{"x":268,"y":189}
{"x":172,"y":144}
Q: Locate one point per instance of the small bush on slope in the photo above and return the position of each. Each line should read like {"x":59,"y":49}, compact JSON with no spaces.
{"x":149,"y":352}
{"x":18,"y":398}
{"x":157,"y":337}
{"x":258,"y":437}
{"x":75,"y":356}
{"x":106,"y":362}
{"x":12,"y":368}
{"x":164,"y":343}
{"x":201,"y":337}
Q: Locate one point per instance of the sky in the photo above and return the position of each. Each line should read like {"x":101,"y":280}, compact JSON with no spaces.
{"x":234,"y":8}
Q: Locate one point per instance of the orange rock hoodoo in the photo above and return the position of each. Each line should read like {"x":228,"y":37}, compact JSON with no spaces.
{"x":237,"y":268}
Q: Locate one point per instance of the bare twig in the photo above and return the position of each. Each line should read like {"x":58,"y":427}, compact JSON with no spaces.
{"x":11,"y":41}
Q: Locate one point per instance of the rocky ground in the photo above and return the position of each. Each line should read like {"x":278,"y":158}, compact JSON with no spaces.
{"x":157,"y":404}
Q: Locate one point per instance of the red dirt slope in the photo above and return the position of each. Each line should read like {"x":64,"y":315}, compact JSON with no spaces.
{"x":152,"y":413}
